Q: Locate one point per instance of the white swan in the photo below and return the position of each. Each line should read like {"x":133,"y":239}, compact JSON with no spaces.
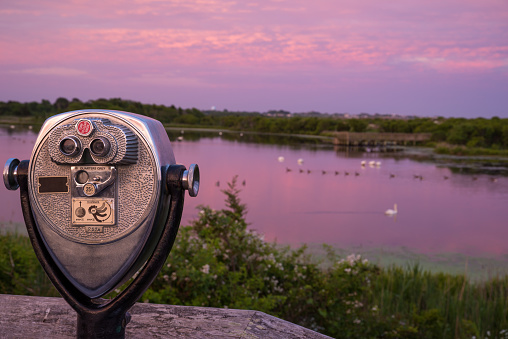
{"x":391,"y":212}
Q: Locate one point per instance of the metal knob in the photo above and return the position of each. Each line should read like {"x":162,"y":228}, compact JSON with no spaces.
{"x":190,"y":180}
{"x":11,"y":174}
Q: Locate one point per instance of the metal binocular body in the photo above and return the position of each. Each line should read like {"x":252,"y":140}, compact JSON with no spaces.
{"x":102,"y":197}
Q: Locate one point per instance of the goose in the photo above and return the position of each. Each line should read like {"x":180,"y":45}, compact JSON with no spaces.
{"x":337,"y":172}
{"x":392,"y":175}
{"x":390,"y":212}
{"x":323,"y":171}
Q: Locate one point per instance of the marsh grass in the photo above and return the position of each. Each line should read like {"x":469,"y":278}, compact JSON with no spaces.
{"x":20,"y":271}
{"x":464,"y":150}
{"x":217,"y":261}
{"x":466,"y":309}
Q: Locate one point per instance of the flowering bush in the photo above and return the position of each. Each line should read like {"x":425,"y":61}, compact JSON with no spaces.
{"x":218,"y":262}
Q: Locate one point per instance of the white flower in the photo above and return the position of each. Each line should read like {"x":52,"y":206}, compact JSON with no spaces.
{"x":357,"y":321}
{"x":205,"y":269}
{"x":347,"y":270}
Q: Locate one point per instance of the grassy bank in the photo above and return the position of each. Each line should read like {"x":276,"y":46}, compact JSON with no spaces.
{"x":218,"y":262}
{"x":461,"y":150}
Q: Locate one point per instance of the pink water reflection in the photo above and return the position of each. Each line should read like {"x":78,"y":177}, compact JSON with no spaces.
{"x":435,"y":215}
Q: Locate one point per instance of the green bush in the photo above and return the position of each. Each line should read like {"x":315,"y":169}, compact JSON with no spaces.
{"x":20,"y":272}
{"x":218,"y":261}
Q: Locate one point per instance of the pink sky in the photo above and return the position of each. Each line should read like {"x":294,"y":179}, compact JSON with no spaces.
{"x":423,"y":57}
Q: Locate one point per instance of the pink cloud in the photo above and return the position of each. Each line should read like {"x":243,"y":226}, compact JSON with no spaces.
{"x":224,"y":40}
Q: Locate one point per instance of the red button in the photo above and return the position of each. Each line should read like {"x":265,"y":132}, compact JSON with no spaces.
{"x":84,"y":127}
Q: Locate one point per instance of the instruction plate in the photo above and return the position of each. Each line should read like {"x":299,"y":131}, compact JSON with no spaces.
{"x":93,"y":212}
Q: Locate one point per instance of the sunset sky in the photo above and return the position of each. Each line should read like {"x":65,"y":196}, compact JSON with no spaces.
{"x":408,"y":57}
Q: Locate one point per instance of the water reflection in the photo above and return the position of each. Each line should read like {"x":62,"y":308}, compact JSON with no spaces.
{"x":330,"y":197}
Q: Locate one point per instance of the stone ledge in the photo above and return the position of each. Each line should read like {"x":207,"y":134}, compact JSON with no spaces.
{"x":41,"y":317}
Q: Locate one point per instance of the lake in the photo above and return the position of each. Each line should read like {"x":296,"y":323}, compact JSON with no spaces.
{"x":302,"y":191}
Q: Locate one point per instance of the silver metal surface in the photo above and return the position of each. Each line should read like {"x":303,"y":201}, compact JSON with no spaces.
{"x":98,"y":229}
{"x":10,"y":174}
{"x":190,"y":180}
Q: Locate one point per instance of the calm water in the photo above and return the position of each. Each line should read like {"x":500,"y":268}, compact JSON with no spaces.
{"x":465,"y":213}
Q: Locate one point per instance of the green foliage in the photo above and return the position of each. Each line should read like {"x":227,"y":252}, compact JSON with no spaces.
{"x":20,"y":272}
{"x":218,"y":261}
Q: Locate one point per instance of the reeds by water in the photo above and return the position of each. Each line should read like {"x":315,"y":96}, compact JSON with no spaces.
{"x":352,"y":299}
{"x":465,"y":309}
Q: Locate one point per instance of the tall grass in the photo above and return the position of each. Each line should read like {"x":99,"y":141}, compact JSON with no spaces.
{"x":397,"y":302}
{"x":467,"y":309}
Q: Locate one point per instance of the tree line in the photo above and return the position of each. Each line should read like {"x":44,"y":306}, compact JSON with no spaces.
{"x":478,"y":132}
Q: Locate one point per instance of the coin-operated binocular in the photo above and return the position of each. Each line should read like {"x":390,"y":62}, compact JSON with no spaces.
{"x":102,"y":199}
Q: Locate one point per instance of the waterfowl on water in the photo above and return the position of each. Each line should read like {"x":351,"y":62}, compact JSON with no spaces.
{"x":390,"y":211}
